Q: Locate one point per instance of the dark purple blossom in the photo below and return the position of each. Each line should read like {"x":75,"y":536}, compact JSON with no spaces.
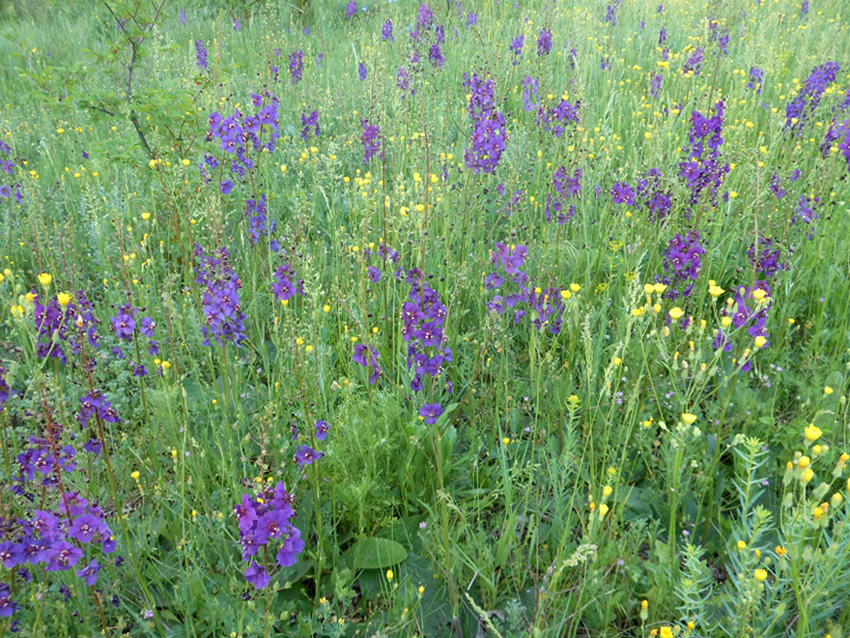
{"x":307,"y":455}
{"x":90,"y":572}
{"x":544,"y":41}
{"x":371,"y":139}
{"x":431,"y":412}
{"x":387,"y":31}
{"x":322,"y":429}
{"x":804,"y":104}
{"x":220,"y":302}
{"x":201,"y":54}
{"x":296,"y":66}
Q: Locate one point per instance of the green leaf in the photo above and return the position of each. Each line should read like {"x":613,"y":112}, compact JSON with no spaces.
{"x":375,"y":553}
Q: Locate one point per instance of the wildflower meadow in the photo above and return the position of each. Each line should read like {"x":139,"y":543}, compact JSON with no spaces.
{"x":454,"y":318}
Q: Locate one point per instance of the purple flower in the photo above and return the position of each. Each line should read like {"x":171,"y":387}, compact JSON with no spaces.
{"x":12,"y":554}
{"x":292,"y":546}
{"x":309,"y":122}
{"x":182,"y":17}
{"x":284,"y":287}
{"x":322,"y":429}
{"x":489,"y":134}
{"x":124,"y":323}
{"x":94,"y":446}
{"x":371,"y":141}
{"x":530,"y":98}
{"x":798,"y":110}
{"x":220,"y":302}
{"x":431,"y":412}
{"x":306,"y":455}
{"x":89,"y":572}
{"x":756,"y":79}
{"x":436,"y":57}
{"x":7,"y":605}
{"x":201,"y":54}
{"x":655,"y":86}
{"x":351,"y":9}
{"x":257,"y":576}
{"x":682,"y":263}
{"x":147,"y":326}
{"x":296,"y":66}
{"x":60,"y":556}
{"x":387,"y":31}
{"x":361,"y":71}
{"x":367,"y":356}
{"x":621,"y":193}
{"x":85,"y":528}
{"x":544,"y":41}
{"x":516,"y":48}
{"x":694,"y":62}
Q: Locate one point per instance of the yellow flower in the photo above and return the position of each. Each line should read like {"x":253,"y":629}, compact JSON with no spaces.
{"x":817,"y":512}
{"x":761,"y":575}
{"x":780,"y":551}
{"x":715,"y":291}
{"x":644,"y":604}
{"x":742,"y":545}
{"x":603,"y":510}
{"x":676,"y":313}
{"x":836,"y":499}
{"x":759,"y":294}
{"x":760,"y":341}
{"x":803,"y":462}
{"x":64,"y":299}
{"x":808,"y":475}
{"x":726,"y":322}
{"x":146,"y":216}
{"x":607,"y":490}
{"x":45,"y":279}
{"x":421,"y":589}
{"x":575,"y":287}
{"x":827,"y":391}
{"x":566,"y":294}
{"x":665,"y":632}
{"x":135,"y":475}
{"x":390,"y":574}
{"x":326,"y":308}
{"x":689,"y":418}
{"x":659,"y":288}
{"x":812,"y":432}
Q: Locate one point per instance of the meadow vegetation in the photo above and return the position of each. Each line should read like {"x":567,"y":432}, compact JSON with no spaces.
{"x":437,"y":319}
